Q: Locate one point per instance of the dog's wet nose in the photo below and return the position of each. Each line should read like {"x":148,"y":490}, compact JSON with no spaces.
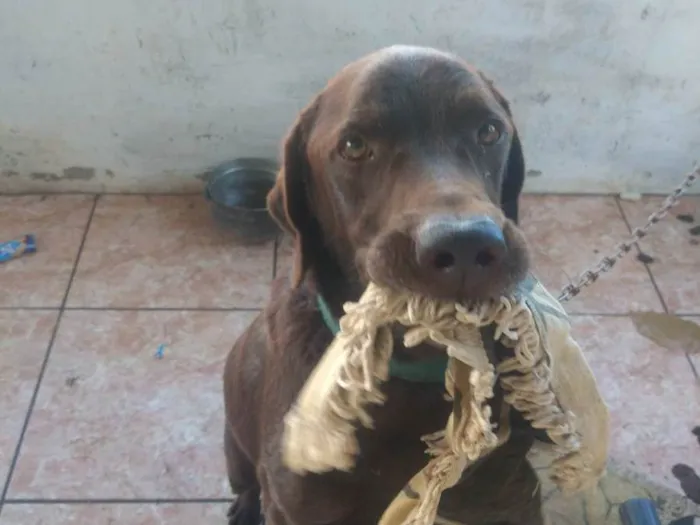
{"x":460,"y":252}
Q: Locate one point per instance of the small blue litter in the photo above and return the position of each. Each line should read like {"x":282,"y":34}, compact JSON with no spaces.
{"x":639,"y":511}
{"x":160,"y":351}
{"x":16,"y":248}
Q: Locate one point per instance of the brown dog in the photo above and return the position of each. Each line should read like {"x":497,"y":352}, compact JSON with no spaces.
{"x":405,"y":170}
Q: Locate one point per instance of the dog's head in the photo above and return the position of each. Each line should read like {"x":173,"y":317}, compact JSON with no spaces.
{"x":400,"y":169}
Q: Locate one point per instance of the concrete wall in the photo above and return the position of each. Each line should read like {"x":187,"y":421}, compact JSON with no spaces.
{"x":136,"y":95}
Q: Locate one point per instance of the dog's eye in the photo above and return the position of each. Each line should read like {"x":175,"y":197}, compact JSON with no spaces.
{"x":489,"y":134}
{"x":354,"y":148}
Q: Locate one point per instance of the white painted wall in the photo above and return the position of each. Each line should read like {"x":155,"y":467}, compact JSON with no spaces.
{"x":136,"y":95}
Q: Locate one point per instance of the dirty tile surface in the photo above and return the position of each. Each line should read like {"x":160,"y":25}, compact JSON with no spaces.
{"x":569,"y":235}
{"x":58,"y":223}
{"x":127,"y":514}
{"x":694,"y":353}
{"x":112,"y":420}
{"x":674,"y":248}
{"x":600,"y":505}
{"x":129,"y":437}
{"x":164,"y":251}
{"x":24,"y":339}
{"x":653,"y":395}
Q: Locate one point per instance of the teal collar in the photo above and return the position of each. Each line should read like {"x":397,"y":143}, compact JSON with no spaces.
{"x":423,"y":371}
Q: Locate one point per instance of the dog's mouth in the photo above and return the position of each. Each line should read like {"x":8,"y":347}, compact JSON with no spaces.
{"x":474,"y":260}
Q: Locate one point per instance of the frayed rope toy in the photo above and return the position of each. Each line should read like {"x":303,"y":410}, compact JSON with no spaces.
{"x":546,"y":378}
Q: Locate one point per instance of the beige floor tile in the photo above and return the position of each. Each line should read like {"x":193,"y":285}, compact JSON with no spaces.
{"x":58,"y":222}
{"x":568,"y":235}
{"x":121,"y":514}
{"x":24,"y":340}
{"x":114,"y":421}
{"x":166,"y":251}
{"x":674,"y":245}
{"x":652,"y":393}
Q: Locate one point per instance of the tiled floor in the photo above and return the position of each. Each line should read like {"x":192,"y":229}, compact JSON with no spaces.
{"x":96,"y":429}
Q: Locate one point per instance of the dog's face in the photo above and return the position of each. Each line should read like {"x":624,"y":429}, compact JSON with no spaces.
{"x":399,"y":168}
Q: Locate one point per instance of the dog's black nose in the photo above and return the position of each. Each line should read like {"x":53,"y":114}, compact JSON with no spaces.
{"x":460,"y":253}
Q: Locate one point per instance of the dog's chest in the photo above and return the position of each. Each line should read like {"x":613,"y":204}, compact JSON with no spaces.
{"x":392,"y":452}
{"x":412,"y":409}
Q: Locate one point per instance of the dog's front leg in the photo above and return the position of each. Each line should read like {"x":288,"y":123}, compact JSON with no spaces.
{"x":311,"y":499}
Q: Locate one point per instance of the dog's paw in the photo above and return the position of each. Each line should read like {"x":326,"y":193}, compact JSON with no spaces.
{"x":245,"y":510}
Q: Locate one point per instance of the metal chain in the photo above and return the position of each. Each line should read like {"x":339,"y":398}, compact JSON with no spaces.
{"x":606,"y":263}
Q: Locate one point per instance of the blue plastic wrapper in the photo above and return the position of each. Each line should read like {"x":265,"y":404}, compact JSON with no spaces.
{"x":639,"y":511}
{"x":13,"y":249}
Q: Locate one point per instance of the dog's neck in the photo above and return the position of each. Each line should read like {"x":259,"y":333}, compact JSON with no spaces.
{"x":333,"y":288}
{"x":336,"y":285}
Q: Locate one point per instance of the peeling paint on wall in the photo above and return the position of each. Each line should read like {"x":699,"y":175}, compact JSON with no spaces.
{"x":49,"y":177}
{"x":72,"y":173}
{"x":78,"y":173}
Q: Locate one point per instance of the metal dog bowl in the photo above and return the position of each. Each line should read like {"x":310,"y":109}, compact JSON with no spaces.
{"x":237,"y":191}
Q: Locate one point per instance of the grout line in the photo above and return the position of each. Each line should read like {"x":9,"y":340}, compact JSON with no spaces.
{"x":693,"y":370}
{"x":47,"y":355}
{"x":606,"y":314}
{"x":245,"y":309}
{"x":639,"y":250}
{"x":113,"y":501}
{"x":160,"y":309}
{"x":32,"y":308}
{"x":577,"y":195}
{"x":199,"y":192}
{"x":101,"y":193}
{"x":133,"y":308}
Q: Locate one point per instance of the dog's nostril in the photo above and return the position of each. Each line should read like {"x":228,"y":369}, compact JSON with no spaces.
{"x":444,"y":260}
{"x":458,"y":256}
{"x":484,"y":258}
{"x":460,"y":249}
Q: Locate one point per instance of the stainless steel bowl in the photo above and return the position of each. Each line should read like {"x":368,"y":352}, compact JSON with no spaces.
{"x":237,"y":191}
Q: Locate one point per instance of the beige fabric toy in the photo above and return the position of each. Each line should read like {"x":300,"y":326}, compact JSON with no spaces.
{"x":547,"y":380}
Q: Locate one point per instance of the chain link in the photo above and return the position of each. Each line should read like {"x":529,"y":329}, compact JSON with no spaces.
{"x":606,"y":263}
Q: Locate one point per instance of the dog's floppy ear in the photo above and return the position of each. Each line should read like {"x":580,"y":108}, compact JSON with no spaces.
{"x":514,"y":175}
{"x":288,"y":202}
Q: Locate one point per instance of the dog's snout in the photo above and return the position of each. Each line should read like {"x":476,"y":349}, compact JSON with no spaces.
{"x":460,"y":252}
